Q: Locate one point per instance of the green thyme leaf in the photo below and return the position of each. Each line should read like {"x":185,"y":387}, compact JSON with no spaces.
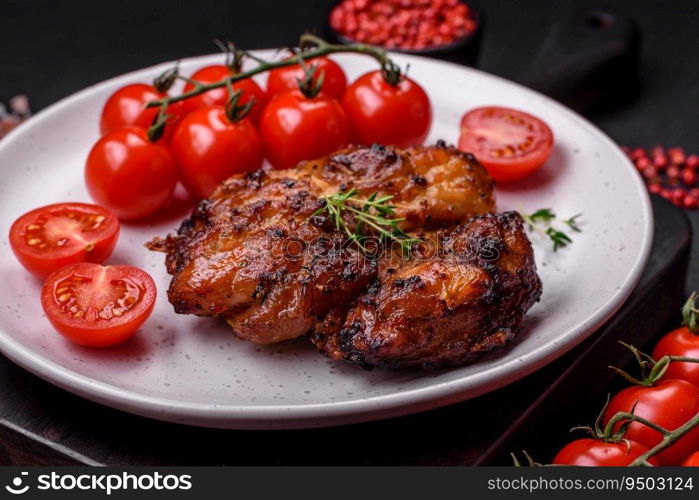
{"x":373,"y":213}
{"x":544,"y":220}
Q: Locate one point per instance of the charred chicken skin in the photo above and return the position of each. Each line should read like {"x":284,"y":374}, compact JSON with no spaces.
{"x":254,"y":255}
{"x":445,"y":309}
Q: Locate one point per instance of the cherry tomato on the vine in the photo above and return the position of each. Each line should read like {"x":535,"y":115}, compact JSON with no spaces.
{"x":219,"y":96}
{"x":509,"y":143}
{"x":208,"y":148}
{"x":53,"y":236}
{"x":129,"y":174}
{"x":379,"y":112}
{"x":126,"y":107}
{"x":667,"y":403}
{"x":591,"y":452}
{"x":692,"y":460}
{"x":287,"y":78}
{"x":680,"y":342}
{"x":295,"y":128}
{"x":98,"y":306}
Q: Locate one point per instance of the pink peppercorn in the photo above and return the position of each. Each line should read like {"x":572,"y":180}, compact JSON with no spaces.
{"x":690,"y":202}
{"x":660,"y":160}
{"x":669,"y":172}
{"x":677,"y":196}
{"x":655,"y":188}
{"x":676,"y":156}
{"x":692,"y":161}
{"x":689,"y":177}
{"x":642,"y":163}
{"x":673,"y":173}
{"x":403,"y":24}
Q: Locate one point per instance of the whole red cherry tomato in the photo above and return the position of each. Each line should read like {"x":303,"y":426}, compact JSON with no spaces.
{"x":98,"y":306}
{"x":682,"y":342}
{"x":126,"y":107}
{"x":54,"y":236}
{"x":510,"y":144}
{"x":295,"y":128}
{"x":209,"y":147}
{"x":597,"y":453}
{"x":692,"y":460}
{"x":667,"y":403}
{"x":130,"y":175}
{"x":379,"y":112}
{"x":287,"y":78}
{"x":220,"y":96}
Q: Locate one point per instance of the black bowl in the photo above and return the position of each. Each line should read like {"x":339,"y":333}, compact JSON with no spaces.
{"x":463,"y":51}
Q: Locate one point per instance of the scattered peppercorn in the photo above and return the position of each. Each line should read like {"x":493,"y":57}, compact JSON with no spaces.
{"x":18,"y":112}
{"x":673,"y":174}
{"x":655,"y":188}
{"x":403,"y":24}
{"x":689,"y":177}
{"x":669,"y":172}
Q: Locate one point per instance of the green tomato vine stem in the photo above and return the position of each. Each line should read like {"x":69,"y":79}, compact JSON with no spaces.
{"x":669,"y":437}
{"x":389,"y":69}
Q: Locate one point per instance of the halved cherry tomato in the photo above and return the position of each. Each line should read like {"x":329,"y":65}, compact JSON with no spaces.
{"x":208,"y":148}
{"x":597,"y":453}
{"x":680,"y":342}
{"x":54,"y":236}
{"x":219,"y":97}
{"x":509,"y":143}
{"x":381,"y":113}
{"x":692,"y":460}
{"x":129,"y":174}
{"x":126,"y":107}
{"x":98,"y":306}
{"x":287,"y":78}
{"x":295,"y":128}
{"x":669,"y":404}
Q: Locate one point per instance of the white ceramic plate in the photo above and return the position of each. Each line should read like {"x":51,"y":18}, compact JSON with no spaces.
{"x":192,"y":370}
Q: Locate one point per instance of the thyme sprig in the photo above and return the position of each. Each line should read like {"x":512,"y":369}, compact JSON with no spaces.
{"x":543,"y":221}
{"x":370,"y":214}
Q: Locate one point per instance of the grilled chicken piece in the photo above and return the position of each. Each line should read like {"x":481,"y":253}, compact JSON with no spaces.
{"x":431,"y":185}
{"x":443,"y":309}
{"x":252,"y":254}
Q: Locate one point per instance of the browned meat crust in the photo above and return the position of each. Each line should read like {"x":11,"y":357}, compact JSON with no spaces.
{"x":445,"y":310}
{"x":253,"y":255}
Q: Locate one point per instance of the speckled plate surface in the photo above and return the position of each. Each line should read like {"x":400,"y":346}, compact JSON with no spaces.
{"x":192,"y":370}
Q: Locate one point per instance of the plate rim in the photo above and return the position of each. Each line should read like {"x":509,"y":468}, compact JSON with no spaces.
{"x":284,"y":416}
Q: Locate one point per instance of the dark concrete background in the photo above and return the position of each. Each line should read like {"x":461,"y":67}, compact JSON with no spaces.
{"x":52,"y":48}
